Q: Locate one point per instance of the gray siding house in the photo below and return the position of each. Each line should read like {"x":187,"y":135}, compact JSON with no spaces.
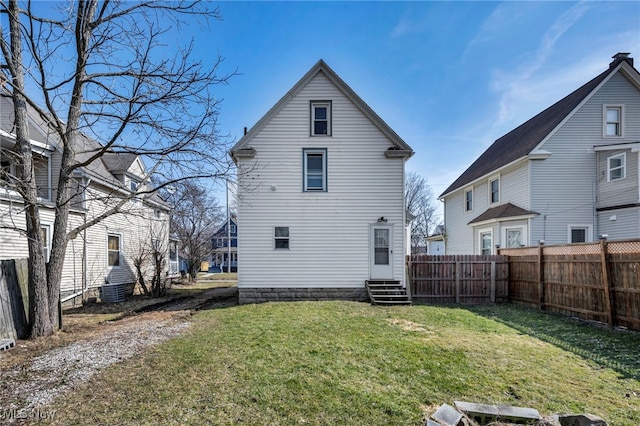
{"x":320,"y":196}
{"x":567,"y":175}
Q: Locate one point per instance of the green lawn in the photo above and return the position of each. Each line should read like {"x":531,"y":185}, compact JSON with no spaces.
{"x":328,"y":363}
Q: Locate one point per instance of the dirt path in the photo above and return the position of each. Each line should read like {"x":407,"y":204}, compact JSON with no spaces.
{"x":39,"y":371}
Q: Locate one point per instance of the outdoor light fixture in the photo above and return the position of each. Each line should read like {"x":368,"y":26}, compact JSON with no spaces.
{"x":382,"y":219}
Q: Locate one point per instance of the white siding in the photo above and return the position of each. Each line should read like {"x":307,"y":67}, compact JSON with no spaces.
{"x":462,"y":238}
{"x":622,"y":191}
{"x":620,"y":224}
{"x":563,"y":190}
{"x":329,"y":231}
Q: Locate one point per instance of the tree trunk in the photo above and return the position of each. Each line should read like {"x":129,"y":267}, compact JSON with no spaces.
{"x":39,"y":315}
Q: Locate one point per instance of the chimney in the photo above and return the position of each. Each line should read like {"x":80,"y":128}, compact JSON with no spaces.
{"x":245,"y":130}
{"x":619,"y":57}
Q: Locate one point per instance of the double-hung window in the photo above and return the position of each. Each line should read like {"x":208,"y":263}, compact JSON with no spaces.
{"x":494,"y":190}
{"x":613,"y":120}
{"x":114,"y":247}
{"x":281,"y":237}
{"x":486,"y":238}
{"x":616,"y":167}
{"x":321,"y":118}
{"x":468,"y":200}
{"x":314,"y":169}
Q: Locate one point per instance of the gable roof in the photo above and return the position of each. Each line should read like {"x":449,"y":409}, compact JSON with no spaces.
{"x":322,"y":67}
{"x":503,"y":211}
{"x":525,"y":138}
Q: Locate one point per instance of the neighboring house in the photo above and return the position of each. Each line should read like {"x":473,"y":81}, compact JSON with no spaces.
{"x":568,"y":175}
{"x":320,"y":196}
{"x":222,"y":249}
{"x":103,"y":253}
{"x":435,"y":242}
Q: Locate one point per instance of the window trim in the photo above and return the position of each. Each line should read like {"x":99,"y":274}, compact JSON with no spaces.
{"x":323,"y":152}
{"x":468,"y":204}
{"x":482,"y":232}
{"x":323,"y":104}
{"x":277,"y":238}
{"x":47,"y":227}
{"x":523,"y":235}
{"x":606,"y":122}
{"x":119,"y":236}
{"x":490,"y":181}
{"x":588,"y":232}
{"x":623,"y":166}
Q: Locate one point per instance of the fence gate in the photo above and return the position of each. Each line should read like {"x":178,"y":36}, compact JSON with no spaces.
{"x":461,"y":279}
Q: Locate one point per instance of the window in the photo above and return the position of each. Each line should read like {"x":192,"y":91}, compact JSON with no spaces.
{"x":494,"y":190}
{"x":616,"y":167}
{"x":579,"y":233}
{"x":113,"y":250}
{"x":485,"y":243}
{"x":321,"y":118}
{"x":282,"y":237}
{"x":156,"y":213}
{"x":233,"y":229}
{"x":514,"y":237}
{"x":134,"y":185}
{"x":613,"y":121}
{"x":7,"y":168}
{"x":315,"y":169}
{"x":45,"y":235}
{"x":468,"y":200}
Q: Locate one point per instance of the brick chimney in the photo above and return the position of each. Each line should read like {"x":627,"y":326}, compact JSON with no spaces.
{"x":619,"y":57}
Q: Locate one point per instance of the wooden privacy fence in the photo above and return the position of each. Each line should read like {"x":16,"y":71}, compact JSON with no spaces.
{"x":458,"y":278}
{"x":14,"y":302}
{"x":595,"y":281}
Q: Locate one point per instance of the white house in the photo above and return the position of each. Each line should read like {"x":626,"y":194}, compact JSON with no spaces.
{"x":570,"y":174}
{"x":320,"y":196}
{"x":103,"y":253}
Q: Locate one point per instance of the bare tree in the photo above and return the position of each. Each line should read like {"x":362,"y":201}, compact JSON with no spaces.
{"x":420,"y":204}
{"x":110,"y":71}
{"x":196,"y":217}
{"x":150,"y":263}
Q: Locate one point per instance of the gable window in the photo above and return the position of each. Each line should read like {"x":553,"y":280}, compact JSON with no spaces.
{"x":321,"y":118}
{"x":315,"y":169}
{"x":494,"y":190}
{"x":282,"y":237}
{"x":579,"y":233}
{"x":134,"y":185}
{"x":613,"y":120}
{"x":114,"y":244}
{"x":468,"y":200}
{"x":616,"y":167}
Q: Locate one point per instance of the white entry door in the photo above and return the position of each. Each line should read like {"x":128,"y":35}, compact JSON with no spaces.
{"x":381,"y":252}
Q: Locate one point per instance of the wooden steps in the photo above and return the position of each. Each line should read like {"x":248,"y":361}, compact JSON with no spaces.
{"x":387,"y":292}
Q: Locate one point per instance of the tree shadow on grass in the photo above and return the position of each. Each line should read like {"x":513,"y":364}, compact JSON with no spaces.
{"x":615,"y":349}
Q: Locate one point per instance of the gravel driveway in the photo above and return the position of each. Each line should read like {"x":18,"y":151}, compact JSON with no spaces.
{"x":30,"y":385}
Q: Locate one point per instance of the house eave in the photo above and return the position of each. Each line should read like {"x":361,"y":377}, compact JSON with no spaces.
{"x":398,"y":153}
{"x":484,"y":177}
{"x":633,"y":146}
{"x":501,"y":219}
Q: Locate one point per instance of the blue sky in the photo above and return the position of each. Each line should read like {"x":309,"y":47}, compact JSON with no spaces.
{"x":448,"y":77}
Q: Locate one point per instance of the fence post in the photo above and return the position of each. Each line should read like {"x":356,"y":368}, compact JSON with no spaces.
{"x":493,"y":281}
{"x":609,"y":304}
{"x":458,"y":272}
{"x":540,"y":275}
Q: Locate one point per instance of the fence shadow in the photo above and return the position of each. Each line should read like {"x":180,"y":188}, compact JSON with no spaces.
{"x":615,"y":349}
